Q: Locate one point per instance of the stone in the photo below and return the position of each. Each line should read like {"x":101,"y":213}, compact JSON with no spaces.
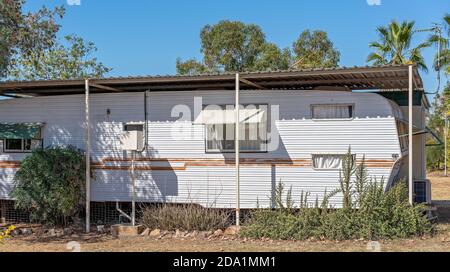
{"x":146,"y":232}
{"x":101,"y":228}
{"x":59,"y":233}
{"x":218,"y":233}
{"x":67,"y":231}
{"x":26,"y":231}
{"x":123,"y":230}
{"x":178,"y":233}
{"x":232,"y":231}
{"x":51,"y":232}
{"x":193,"y":234}
{"x":155,"y":233}
{"x":205,"y":234}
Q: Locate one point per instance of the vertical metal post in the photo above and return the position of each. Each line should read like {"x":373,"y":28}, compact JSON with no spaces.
{"x":410,"y":136}
{"x":133,"y":190}
{"x":236,"y":148}
{"x":88,"y":159}
{"x":446,"y":144}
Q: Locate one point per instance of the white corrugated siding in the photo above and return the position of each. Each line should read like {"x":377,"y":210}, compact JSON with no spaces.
{"x":372,"y":133}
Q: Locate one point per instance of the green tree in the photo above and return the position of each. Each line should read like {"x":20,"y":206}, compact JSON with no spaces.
{"x":74,"y":61}
{"x":436,"y":122}
{"x":50,"y":184}
{"x":273,"y":58}
{"x":25,"y":33}
{"x":442,"y":60}
{"x":394,"y":46}
{"x":231,"y":46}
{"x":315,"y":50}
{"x":190,"y":67}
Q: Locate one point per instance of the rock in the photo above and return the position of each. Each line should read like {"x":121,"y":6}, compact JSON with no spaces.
{"x":204,"y":234}
{"x":101,"y":228}
{"x":67,"y":231}
{"x":167,"y":234}
{"x":155,"y":233}
{"x":146,"y":232}
{"x":15,"y":232}
{"x":51,"y":232}
{"x":59,"y":233}
{"x":232,"y":231}
{"x":218,"y":233}
{"x":178,"y":234}
{"x":26,"y":231}
{"x":193,"y":234}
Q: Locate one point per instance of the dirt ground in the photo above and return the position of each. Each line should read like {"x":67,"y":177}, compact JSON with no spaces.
{"x":105,"y":242}
{"x":98,"y":243}
{"x":440,"y":186}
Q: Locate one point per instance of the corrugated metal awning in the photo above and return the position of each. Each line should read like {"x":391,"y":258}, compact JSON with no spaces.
{"x":20,"y":130}
{"x":390,"y":77}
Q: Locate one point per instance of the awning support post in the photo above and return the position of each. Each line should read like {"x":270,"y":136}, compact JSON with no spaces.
{"x":410,"y":136}
{"x":88,"y":159}
{"x":236,"y":148}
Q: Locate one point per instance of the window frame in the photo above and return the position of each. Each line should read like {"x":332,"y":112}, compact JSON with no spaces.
{"x":332,"y":104}
{"x":218,"y":151}
{"x":22,"y":150}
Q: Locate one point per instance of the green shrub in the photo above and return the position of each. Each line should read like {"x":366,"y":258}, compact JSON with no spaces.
{"x":50,"y":184}
{"x":186,"y":217}
{"x":368,"y":212}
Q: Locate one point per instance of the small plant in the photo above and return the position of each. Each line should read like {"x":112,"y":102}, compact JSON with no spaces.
{"x":368,"y":212}
{"x":6,"y":233}
{"x":186,"y":217}
{"x":50,"y":185}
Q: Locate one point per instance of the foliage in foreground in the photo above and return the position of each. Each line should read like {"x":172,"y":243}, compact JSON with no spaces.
{"x":50,"y":184}
{"x":368,"y":212}
{"x":184,"y":217}
{"x":4,"y":234}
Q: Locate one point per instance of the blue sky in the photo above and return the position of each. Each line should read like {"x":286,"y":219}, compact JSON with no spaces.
{"x":144,"y":37}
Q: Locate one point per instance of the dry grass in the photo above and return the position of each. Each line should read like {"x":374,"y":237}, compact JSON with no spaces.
{"x":440,"y":186}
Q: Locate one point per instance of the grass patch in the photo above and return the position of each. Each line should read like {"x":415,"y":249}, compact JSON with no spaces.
{"x":186,"y":217}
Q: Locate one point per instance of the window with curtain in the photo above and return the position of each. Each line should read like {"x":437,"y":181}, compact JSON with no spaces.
{"x":328,"y":161}
{"x":332,"y":111}
{"x":220,"y":132}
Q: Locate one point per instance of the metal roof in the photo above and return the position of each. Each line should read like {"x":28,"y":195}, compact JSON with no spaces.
{"x":391,"y":77}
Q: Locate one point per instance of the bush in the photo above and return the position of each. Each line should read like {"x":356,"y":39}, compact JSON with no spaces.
{"x":186,"y":217}
{"x":50,"y":184}
{"x":368,"y":212}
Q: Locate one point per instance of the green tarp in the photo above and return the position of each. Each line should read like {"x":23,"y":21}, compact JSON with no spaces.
{"x":20,"y":131}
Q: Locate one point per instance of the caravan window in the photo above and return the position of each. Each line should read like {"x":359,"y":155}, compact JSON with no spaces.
{"x":220,"y":129}
{"x":21,"y":145}
{"x":332,"y":111}
{"x":328,"y":161}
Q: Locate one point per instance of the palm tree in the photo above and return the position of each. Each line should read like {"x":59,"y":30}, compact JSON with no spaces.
{"x":442,"y":60}
{"x":394,"y":46}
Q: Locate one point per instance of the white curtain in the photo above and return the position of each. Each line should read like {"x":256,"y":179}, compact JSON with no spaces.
{"x":331,"y":111}
{"x":327,"y":161}
{"x":214,"y":140}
